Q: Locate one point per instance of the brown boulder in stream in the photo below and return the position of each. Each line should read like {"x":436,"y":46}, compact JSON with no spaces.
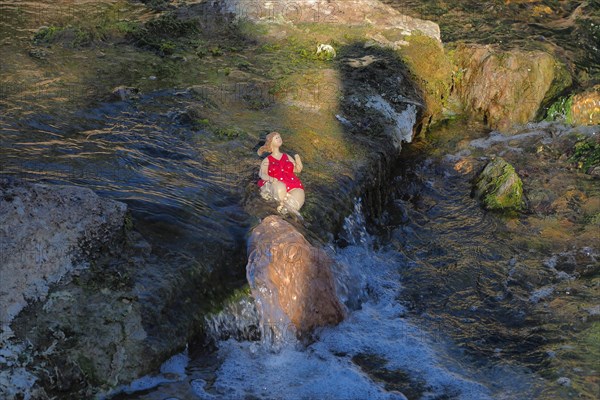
{"x":507,"y":87}
{"x":287,"y":274}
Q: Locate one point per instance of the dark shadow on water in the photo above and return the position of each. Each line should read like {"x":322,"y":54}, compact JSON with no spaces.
{"x":377,"y":88}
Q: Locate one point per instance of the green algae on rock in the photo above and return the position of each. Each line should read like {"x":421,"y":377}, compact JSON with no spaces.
{"x":432,"y":70}
{"x":586,"y":154}
{"x":499,"y":187}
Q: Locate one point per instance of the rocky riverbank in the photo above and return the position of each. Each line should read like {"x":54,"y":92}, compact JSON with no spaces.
{"x":512,"y":285}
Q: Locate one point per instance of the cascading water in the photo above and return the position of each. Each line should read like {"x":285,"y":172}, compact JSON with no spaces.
{"x":376,"y":353}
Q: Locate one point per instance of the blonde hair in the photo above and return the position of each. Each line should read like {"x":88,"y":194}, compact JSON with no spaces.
{"x":266,"y":148}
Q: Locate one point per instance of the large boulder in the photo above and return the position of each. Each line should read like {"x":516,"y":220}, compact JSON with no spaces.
{"x":499,"y":187}
{"x":102,"y":309}
{"x":45,"y":233}
{"x":347,"y":12}
{"x":291,"y":280}
{"x":504,"y":88}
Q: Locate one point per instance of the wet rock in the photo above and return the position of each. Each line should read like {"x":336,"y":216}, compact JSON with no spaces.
{"x":564,"y":381}
{"x":91,"y":336}
{"x":380,"y":99}
{"x":45,"y":233}
{"x":584,"y":262}
{"x":290,"y":279}
{"x":528,"y":277}
{"x":101,"y":311}
{"x":415,"y":41}
{"x":123,"y":93}
{"x":541,"y":294}
{"x":585,"y":107}
{"x":432,"y":69}
{"x":396,"y":381}
{"x":594,"y":310}
{"x":499,"y":187}
{"x":504,"y":88}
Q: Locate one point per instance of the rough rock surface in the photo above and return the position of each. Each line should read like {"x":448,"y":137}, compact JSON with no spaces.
{"x":348,"y":12}
{"x":286,"y":273}
{"x":115,"y":318}
{"x":44,"y":231}
{"x":499,"y":187}
{"x":507,"y":87}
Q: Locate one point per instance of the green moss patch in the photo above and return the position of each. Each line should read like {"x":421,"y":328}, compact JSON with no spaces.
{"x":586,"y":154}
{"x":159,"y":33}
{"x":431,"y":68}
{"x":102,"y":24}
{"x":561,"y":110}
{"x":499,"y":187}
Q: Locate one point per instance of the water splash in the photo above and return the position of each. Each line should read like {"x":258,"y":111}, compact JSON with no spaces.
{"x":355,"y":227}
{"x":239,"y":320}
{"x":403,"y":122}
{"x":418,"y":363}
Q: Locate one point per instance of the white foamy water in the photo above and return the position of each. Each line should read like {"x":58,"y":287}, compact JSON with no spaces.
{"x":378,"y":329}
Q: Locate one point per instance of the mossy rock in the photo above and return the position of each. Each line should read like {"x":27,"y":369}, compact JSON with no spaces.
{"x":499,"y":187}
{"x":507,"y":87}
{"x":432,"y":70}
{"x":561,"y":110}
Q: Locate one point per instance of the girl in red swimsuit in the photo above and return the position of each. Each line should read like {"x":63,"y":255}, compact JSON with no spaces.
{"x":278,"y":176}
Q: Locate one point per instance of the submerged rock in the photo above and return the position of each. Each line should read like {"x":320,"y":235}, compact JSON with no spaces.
{"x":499,"y":187}
{"x":290,"y":279}
{"x":124,"y":93}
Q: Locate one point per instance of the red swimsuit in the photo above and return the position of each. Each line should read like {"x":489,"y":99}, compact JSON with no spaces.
{"x":283,"y":170}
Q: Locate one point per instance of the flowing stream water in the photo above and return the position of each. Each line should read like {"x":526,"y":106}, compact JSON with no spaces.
{"x":430,"y":315}
{"x":378,"y":352}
